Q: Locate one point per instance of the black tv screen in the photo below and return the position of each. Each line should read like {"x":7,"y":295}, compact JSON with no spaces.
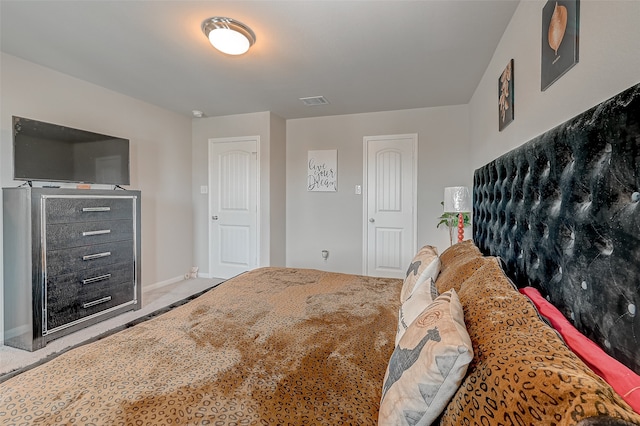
{"x":54,"y":153}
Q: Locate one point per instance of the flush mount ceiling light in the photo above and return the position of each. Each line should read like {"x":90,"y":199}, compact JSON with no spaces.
{"x":228,"y":35}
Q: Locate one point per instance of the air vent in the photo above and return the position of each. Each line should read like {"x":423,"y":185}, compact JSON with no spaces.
{"x":314,"y":100}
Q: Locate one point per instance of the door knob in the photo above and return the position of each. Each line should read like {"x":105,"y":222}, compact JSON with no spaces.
{"x":214,"y":217}
{"x":372,"y":220}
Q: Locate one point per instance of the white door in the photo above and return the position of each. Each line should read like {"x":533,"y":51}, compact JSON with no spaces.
{"x":390,"y":200}
{"x":233,"y":205}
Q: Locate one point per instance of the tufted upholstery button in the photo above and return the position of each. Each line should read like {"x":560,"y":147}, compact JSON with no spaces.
{"x":605,"y":246}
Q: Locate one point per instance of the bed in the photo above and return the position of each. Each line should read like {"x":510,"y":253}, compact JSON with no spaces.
{"x":271,"y":346}
{"x":466,"y":338}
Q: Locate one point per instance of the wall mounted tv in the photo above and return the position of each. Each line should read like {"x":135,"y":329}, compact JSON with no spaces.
{"x":54,"y":153}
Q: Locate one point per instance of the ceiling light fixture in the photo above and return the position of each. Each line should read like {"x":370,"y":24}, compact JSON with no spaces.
{"x":228,"y":35}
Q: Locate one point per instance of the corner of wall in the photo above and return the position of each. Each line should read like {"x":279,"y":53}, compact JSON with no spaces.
{"x":608,"y":64}
{"x":278,"y":192}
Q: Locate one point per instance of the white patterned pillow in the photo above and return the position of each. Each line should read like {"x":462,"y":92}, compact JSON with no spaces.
{"x":425,"y":264}
{"x":427,"y":366}
{"x":421,"y":297}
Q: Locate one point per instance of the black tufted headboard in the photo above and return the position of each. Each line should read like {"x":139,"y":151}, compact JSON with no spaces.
{"x":563,"y":213}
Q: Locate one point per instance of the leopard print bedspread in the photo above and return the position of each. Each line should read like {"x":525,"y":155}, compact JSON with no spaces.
{"x":272,"y":346}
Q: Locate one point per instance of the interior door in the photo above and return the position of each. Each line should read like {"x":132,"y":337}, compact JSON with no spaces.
{"x":391,"y":196}
{"x":233,"y":206}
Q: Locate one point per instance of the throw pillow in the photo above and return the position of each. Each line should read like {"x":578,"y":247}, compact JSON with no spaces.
{"x":421,"y":297}
{"x":427,"y":365}
{"x":425,"y":264}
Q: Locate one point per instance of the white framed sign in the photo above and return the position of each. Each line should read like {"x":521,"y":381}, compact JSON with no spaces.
{"x":322,"y":170}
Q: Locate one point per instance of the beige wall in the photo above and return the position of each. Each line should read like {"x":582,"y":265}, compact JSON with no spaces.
{"x":334,"y":220}
{"x":269,"y":127}
{"x":160,"y":153}
{"x":278,"y":182}
{"x":609,"y":62}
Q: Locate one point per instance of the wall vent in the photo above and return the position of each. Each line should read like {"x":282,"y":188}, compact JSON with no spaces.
{"x":314,"y":100}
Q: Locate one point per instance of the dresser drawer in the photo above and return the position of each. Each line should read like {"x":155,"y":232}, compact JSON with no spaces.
{"x":62,"y":290}
{"x":89,"y":304}
{"x":66,"y":261}
{"x":85,"y":209}
{"x":64,"y":235}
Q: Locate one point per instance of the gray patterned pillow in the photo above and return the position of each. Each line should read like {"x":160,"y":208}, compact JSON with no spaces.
{"x":421,"y":297}
{"x":427,"y":366}
{"x":425,"y":264}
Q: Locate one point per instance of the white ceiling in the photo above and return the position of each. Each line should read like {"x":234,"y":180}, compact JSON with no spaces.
{"x":362,"y":56}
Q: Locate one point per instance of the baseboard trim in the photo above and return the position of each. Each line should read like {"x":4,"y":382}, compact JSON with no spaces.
{"x":163,"y":283}
{"x":16,"y":331}
{"x":205,"y":275}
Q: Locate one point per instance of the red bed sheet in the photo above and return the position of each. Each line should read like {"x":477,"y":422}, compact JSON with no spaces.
{"x":623,"y":380}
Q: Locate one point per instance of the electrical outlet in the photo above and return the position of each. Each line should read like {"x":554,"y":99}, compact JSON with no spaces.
{"x":358,"y":189}
{"x":204,"y":189}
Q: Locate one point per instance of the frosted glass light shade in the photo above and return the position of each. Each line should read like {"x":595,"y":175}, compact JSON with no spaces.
{"x":457,"y":199}
{"x":228,"y":41}
{"x":228,"y":35}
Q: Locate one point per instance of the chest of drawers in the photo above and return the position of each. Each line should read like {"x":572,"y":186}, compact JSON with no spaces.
{"x":72,"y":258}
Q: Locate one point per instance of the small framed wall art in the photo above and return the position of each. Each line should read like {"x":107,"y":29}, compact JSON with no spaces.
{"x":560,"y":36}
{"x":322,"y":170}
{"x":505,"y":97}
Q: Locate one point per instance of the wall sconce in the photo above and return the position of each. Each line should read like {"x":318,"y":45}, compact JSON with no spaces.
{"x":457,"y":199}
{"x":228,"y":35}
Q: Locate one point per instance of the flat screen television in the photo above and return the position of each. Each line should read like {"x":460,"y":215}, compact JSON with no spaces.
{"x":54,"y":153}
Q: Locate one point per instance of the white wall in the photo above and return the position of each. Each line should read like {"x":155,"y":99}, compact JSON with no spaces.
{"x":160,"y":153}
{"x":333,"y":220}
{"x":270,"y":129}
{"x":609,"y":62}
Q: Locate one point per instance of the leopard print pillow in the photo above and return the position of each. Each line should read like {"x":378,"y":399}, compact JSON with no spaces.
{"x":522,"y":373}
{"x":458,"y":263}
{"x":465,"y":249}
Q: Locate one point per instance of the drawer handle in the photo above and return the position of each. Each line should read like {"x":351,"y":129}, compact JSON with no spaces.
{"x":96,"y":256}
{"x":96,"y":279}
{"x":96,"y":209}
{"x":100,"y":232}
{"x":96,"y":302}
